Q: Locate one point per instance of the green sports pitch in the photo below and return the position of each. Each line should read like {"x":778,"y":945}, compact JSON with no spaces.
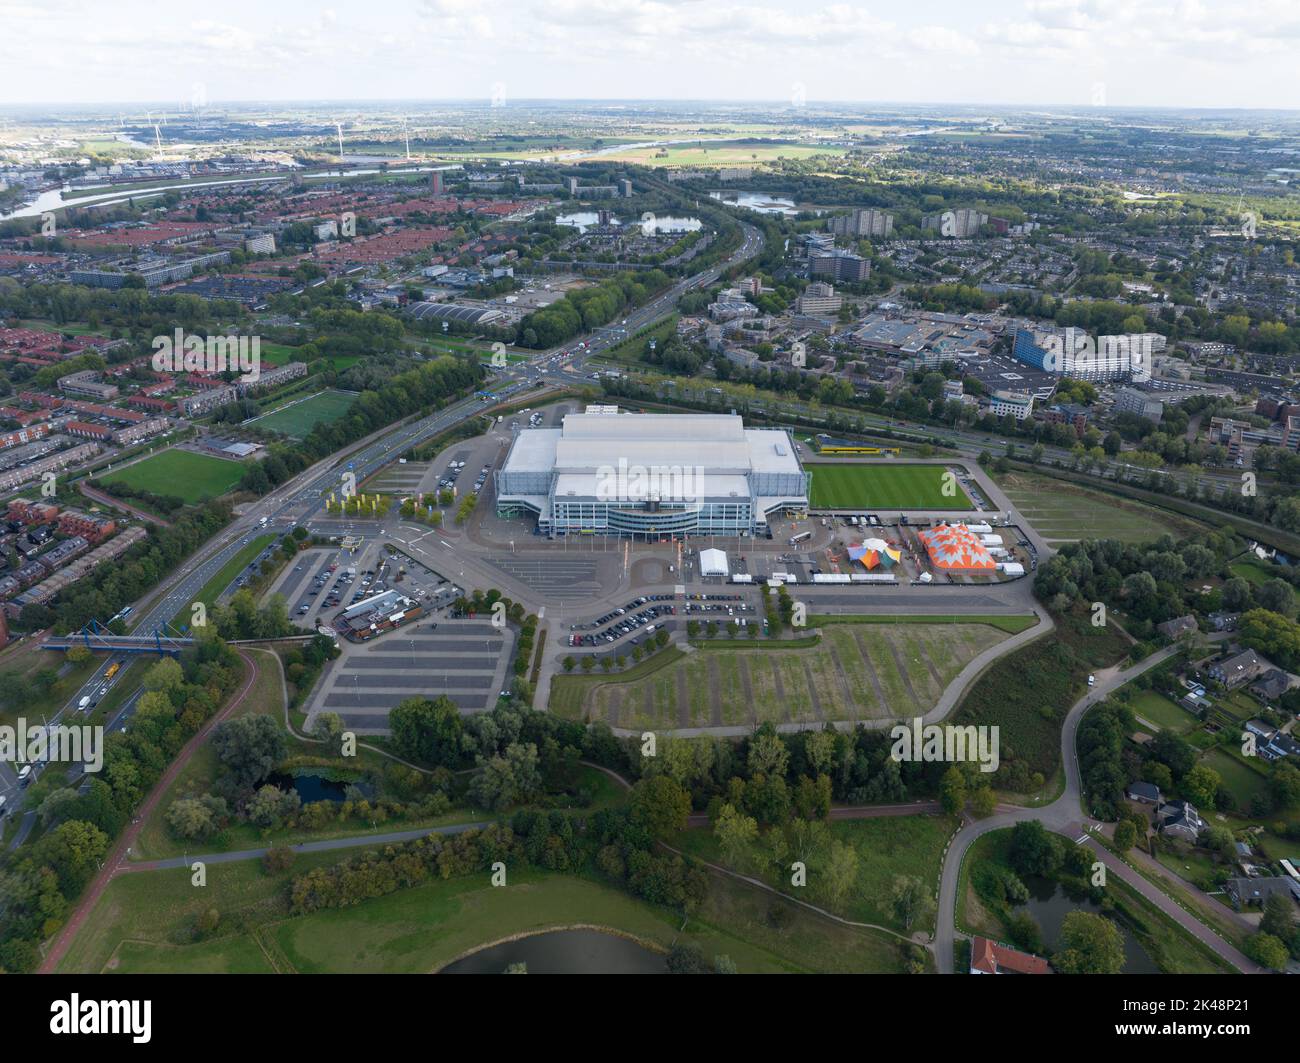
{"x":864,"y":486}
{"x":180,"y":473}
{"x":299,"y":417}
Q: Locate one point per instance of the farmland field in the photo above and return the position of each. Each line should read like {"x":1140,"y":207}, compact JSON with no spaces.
{"x":1063,"y":513}
{"x":300,"y":417}
{"x":854,"y":672}
{"x":180,"y":473}
{"x":883,"y":486}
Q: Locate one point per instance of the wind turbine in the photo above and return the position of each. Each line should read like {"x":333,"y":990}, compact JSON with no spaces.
{"x":157,"y":138}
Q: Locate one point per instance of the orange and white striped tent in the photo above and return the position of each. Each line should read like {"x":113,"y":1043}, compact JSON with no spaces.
{"x":955,"y":548}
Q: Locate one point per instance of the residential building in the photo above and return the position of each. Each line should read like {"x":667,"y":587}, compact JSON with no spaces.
{"x":988,"y":957}
{"x":1242,"y":668}
{"x":866,"y":223}
{"x":1179,"y":819}
{"x":1141,"y":403}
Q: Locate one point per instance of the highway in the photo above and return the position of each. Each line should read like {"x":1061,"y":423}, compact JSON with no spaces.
{"x":297,"y":501}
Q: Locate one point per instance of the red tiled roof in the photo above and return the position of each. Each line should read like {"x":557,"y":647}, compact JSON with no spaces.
{"x":992,"y":958}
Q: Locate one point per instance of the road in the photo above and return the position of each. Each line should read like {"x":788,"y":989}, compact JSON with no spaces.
{"x":300,"y":499}
{"x":1065,"y":816}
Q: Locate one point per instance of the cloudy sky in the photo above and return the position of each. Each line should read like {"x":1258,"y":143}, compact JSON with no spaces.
{"x":1185,"y":53}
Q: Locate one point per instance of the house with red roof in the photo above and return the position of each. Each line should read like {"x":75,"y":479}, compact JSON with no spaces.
{"x":988,"y":957}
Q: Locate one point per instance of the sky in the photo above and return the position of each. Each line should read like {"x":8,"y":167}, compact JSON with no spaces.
{"x":1116,"y":53}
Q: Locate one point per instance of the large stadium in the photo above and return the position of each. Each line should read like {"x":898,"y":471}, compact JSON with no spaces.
{"x":651,"y":475}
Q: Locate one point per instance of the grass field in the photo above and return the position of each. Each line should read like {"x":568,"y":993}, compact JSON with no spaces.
{"x":1161,"y":711}
{"x":299,"y":417}
{"x":886,"y":486}
{"x":1257,"y":572}
{"x":182,"y":473}
{"x":854,"y":672}
{"x":1063,"y":513}
{"x":886,"y":846}
{"x":142,"y":921}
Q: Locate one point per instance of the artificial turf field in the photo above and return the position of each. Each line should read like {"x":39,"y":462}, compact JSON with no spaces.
{"x":865,"y":486}
{"x":180,"y":473}
{"x":300,"y":417}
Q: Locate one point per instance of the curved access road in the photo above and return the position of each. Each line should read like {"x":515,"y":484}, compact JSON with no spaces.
{"x":1065,"y":816}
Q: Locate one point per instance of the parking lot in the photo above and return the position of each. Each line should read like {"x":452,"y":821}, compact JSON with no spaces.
{"x":463,"y":659}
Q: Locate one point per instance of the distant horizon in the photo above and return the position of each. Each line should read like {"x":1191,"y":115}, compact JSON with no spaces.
{"x":811,"y":106}
{"x":1229,"y":55}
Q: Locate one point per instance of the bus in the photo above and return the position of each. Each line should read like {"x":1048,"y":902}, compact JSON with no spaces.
{"x":802,"y":537}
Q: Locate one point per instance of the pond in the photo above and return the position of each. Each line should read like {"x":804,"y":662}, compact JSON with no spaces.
{"x":758,"y":201}
{"x":564,"y":952}
{"x":582,"y":220}
{"x":311,"y":787}
{"x":1049,"y":903}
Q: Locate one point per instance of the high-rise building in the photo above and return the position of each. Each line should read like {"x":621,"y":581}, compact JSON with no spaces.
{"x":868,"y":223}
{"x":839,"y":266}
{"x":435,"y":183}
{"x":959,"y":224}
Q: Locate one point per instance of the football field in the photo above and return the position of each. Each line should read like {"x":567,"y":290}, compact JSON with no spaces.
{"x":182,"y":473}
{"x":299,"y":417}
{"x":884,"y":486}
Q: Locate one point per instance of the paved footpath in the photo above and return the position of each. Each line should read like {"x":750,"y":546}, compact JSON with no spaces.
{"x":117,"y":856}
{"x":354,"y":841}
{"x":1065,"y":816}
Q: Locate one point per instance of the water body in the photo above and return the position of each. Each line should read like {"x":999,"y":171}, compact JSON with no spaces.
{"x":311,"y":787}
{"x":564,"y":952}
{"x":1049,"y":904}
{"x":582,"y":220}
{"x":759,"y":202}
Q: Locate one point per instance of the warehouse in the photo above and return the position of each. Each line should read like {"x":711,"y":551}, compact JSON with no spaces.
{"x":651,"y":475}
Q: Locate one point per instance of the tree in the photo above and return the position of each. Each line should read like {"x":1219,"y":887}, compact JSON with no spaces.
{"x":271,"y":806}
{"x":735,"y":832}
{"x":428,"y":731}
{"x":910,"y":899}
{"x":1126,"y":835}
{"x":841,"y":871}
{"x":1277,"y":596}
{"x":507,"y":779}
{"x":1236,"y":595}
{"x":1090,"y":944}
{"x":1267,"y":951}
{"x":196,"y":817}
{"x":249,"y":747}
{"x":1284,"y":785}
{"x":73,"y":850}
{"x":767,"y":755}
{"x":952,"y":790}
{"x":661,"y":805}
{"x":1034,"y":851}
{"x":1201,"y":784}
{"x":1279,"y":917}
{"x":982,"y":802}
{"x":327,"y":727}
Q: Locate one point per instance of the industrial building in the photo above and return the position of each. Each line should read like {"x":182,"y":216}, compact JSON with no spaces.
{"x":651,"y":475}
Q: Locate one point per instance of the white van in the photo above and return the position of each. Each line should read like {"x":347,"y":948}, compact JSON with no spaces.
{"x":25,"y":775}
{"x":84,"y":703}
{"x":1092,"y":680}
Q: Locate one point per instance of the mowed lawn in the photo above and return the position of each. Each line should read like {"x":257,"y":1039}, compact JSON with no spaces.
{"x":887,"y":486}
{"x":300,"y":417}
{"x":1062,"y":513}
{"x":855,"y":672}
{"x":180,"y":473}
